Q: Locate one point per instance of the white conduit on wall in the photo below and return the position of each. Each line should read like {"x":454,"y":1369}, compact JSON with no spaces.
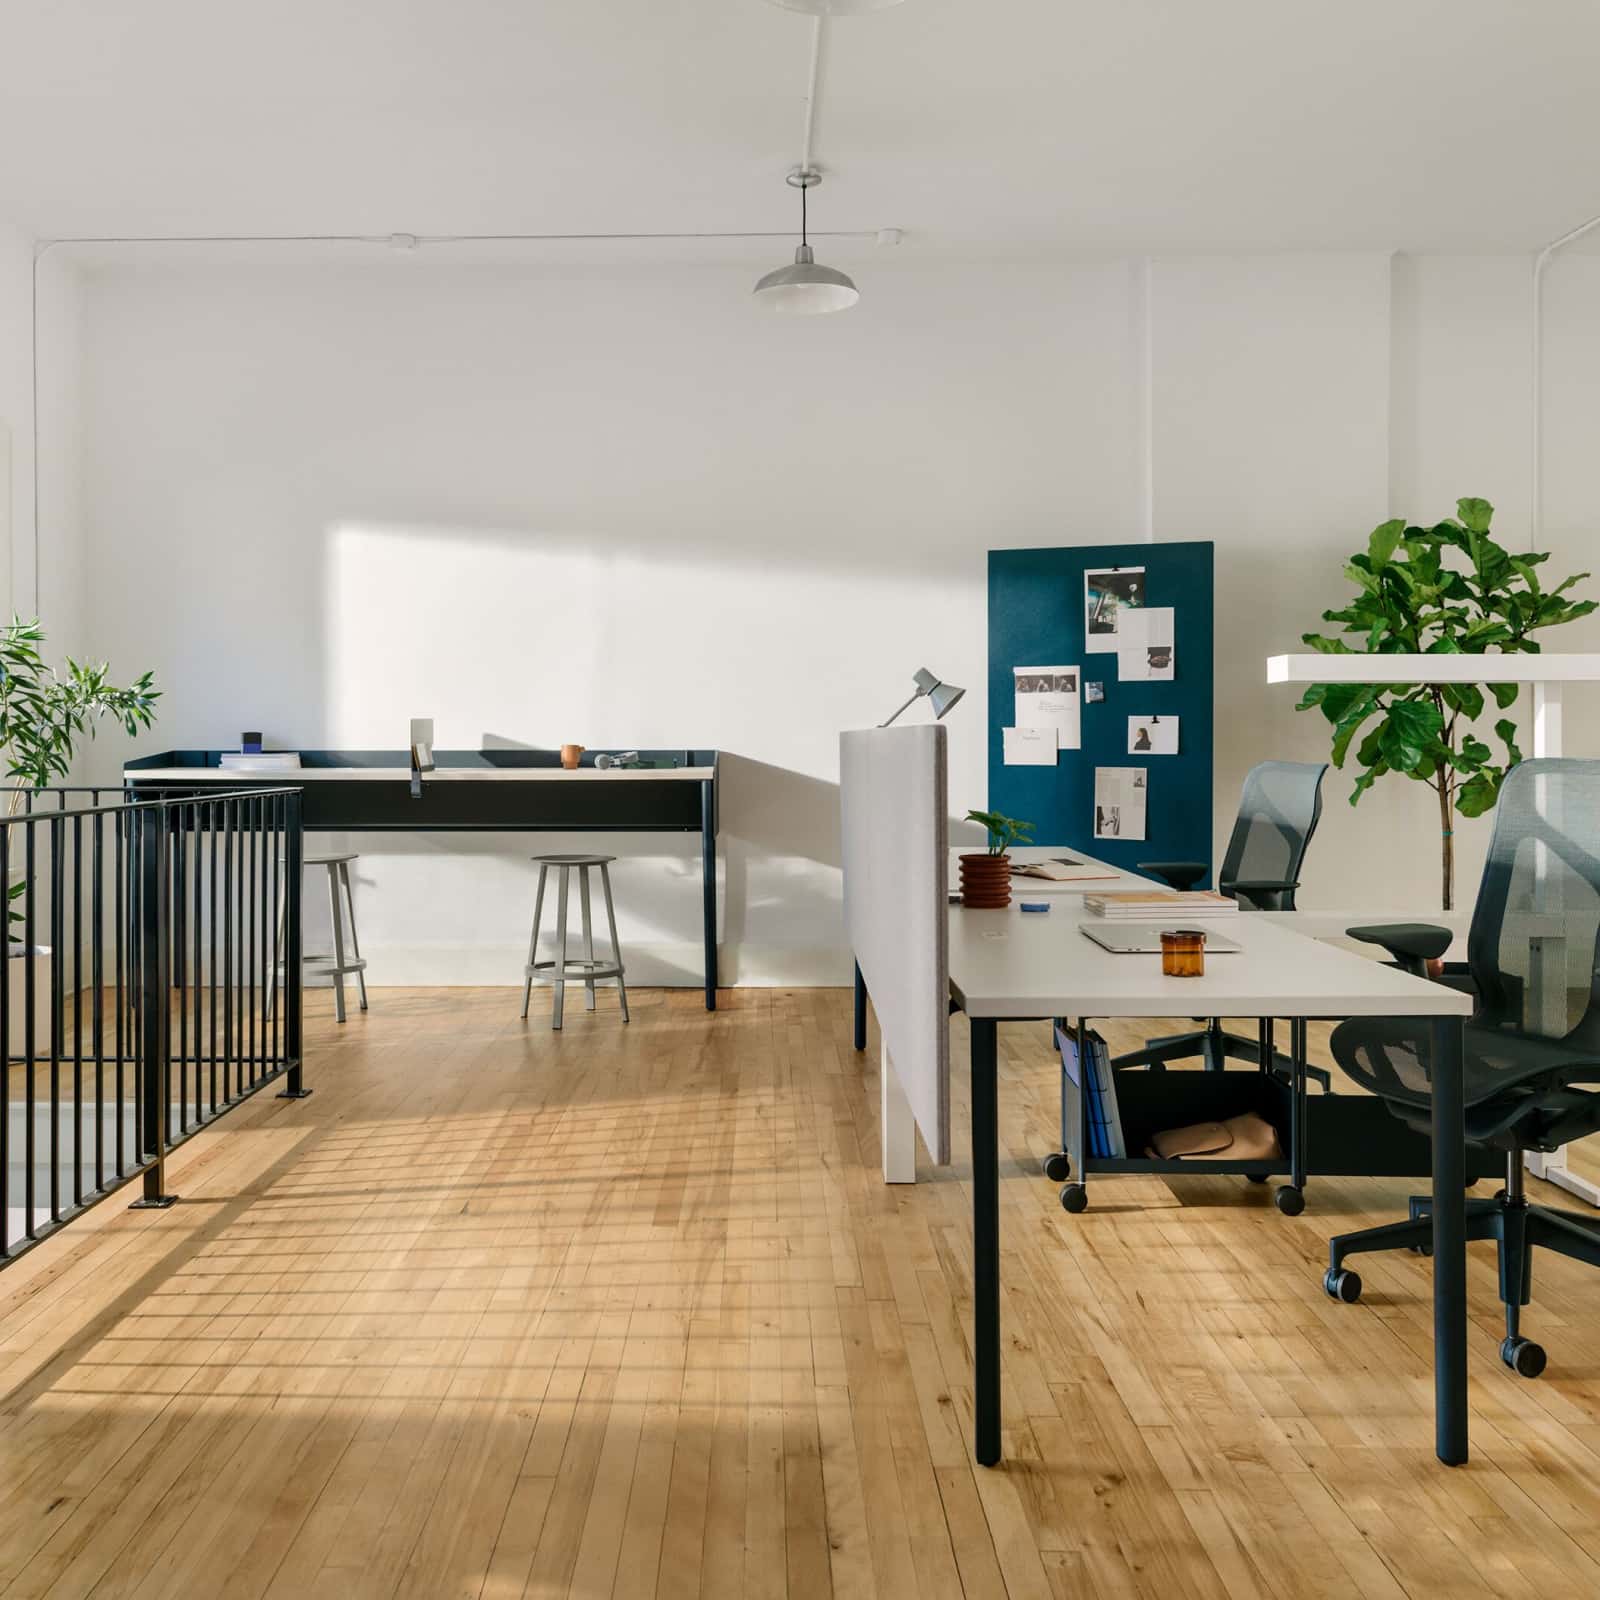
{"x":1536,"y":406}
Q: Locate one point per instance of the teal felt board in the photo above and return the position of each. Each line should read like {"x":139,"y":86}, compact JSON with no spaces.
{"x":1037,"y":618}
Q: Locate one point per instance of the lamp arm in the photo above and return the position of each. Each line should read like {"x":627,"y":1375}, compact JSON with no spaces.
{"x":916,"y":695}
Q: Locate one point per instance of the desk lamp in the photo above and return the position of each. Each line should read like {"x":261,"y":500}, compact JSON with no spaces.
{"x":941,"y":696}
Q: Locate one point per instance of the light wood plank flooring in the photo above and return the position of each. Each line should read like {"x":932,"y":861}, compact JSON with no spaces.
{"x":627,"y":1310}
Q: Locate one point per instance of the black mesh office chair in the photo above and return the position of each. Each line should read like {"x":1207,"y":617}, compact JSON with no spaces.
{"x":1532,"y":955}
{"x":1278,"y":813}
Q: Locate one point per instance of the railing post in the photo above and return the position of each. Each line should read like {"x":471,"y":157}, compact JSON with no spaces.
{"x":151,"y":986}
{"x":293,"y":871}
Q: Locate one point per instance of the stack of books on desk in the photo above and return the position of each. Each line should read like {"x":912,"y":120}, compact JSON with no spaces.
{"x":1147,"y":903}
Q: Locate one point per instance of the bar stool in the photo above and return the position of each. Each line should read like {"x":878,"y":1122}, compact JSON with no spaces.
{"x":335,"y":965}
{"x":563,"y":969}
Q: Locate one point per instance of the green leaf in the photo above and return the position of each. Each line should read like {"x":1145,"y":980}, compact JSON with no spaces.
{"x":1504,"y":693}
{"x":1478,"y":794}
{"x":1475,"y":515}
{"x":1507,"y":730}
{"x":1383,"y":541}
{"x":1467,"y":698}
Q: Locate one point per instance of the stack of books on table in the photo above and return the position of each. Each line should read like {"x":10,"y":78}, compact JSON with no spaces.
{"x":259,"y":761}
{"x":1147,"y":903}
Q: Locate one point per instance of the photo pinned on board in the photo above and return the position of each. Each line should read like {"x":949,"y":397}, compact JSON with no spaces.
{"x":1109,"y":595}
{"x":1152,"y":736}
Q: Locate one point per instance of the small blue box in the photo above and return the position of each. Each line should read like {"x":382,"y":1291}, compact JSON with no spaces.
{"x":1035,"y":905}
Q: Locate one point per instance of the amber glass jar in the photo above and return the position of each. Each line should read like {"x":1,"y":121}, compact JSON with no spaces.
{"x":1183,"y":953}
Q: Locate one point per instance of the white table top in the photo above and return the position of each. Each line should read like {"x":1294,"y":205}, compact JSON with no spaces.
{"x":298,"y":775}
{"x":1015,"y":964}
{"x":1361,"y":667}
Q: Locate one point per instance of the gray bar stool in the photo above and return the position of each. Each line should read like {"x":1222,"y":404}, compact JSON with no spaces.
{"x":563,"y":969}
{"x":336,"y":965}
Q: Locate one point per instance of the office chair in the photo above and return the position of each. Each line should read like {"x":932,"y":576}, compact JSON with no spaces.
{"x":1278,"y":813}
{"x":1532,"y":953}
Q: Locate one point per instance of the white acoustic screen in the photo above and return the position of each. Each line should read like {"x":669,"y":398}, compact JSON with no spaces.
{"x":895,"y":838}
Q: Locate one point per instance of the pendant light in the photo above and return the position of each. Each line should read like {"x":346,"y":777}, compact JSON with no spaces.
{"x":807,"y":288}
{"x":835,"y":8}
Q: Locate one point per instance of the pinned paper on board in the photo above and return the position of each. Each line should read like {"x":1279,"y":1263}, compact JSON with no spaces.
{"x":1119,"y":802}
{"x":1145,"y":650}
{"x":1110,"y":596}
{"x":1029,"y":747}
{"x":1048,"y":697}
{"x":1152,"y":736}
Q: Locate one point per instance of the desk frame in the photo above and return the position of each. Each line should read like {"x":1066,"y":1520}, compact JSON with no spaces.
{"x":496,"y":791}
{"x":1449,"y":1140}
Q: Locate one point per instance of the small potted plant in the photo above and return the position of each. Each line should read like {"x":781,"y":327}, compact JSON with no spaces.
{"x":986,"y":875}
{"x":44,"y":713}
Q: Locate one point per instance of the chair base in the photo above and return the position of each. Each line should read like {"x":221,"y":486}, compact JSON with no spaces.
{"x":1517,"y":1228}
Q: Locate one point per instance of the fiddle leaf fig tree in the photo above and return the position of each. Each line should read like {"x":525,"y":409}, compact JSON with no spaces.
{"x":1445,"y":590}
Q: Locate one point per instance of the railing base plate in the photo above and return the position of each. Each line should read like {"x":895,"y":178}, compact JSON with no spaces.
{"x":294,"y":1094}
{"x":160,"y":1203}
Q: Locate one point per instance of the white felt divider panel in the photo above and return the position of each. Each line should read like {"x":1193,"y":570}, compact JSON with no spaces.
{"x":895,"y":837}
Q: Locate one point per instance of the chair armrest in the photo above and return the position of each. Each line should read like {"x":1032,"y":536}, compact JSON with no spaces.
{"x":1262,"y":893}
{"x":1410,"y":944}
{"x":1180,"y":874}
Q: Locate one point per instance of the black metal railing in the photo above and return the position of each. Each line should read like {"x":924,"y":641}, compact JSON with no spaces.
{"x":152,"y":982}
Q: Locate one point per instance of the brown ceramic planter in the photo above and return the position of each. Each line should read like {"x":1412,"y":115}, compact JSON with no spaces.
{"x":986,"y":882}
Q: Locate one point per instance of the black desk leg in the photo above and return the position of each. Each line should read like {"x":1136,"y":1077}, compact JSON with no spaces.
{"x":1297,"y":1135}
{"x":861,"y":1011}
{"x":708,"y":875}
{"x":1449,"y":1245}
{"x":985,"y":1241}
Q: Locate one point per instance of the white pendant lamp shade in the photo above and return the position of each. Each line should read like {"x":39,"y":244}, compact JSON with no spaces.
{"x":806,"y":288}
{"x":835,"y":8}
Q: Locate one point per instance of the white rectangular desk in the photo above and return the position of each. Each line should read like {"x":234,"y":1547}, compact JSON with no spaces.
{"x":1005,"y":966}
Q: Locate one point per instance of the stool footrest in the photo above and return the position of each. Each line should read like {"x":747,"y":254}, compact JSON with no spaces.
{"x":329,"y":963}
{"x":575,"y":971}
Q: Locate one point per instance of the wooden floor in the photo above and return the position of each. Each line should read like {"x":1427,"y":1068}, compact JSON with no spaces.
{"x":627,"y":1310}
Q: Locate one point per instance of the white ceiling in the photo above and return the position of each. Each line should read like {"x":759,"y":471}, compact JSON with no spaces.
{"x":992,"y":125}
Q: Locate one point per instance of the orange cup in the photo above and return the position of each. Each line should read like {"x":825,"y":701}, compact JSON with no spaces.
{"x":569,"y":756}
{"x":1183,"y":953}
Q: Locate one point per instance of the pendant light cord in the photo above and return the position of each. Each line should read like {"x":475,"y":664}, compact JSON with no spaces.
{"x":803,"y":239}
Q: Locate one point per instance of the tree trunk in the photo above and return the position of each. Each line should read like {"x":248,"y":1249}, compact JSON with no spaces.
{"x":1447,"y":842}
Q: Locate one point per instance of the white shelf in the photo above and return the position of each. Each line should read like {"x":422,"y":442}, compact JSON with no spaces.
{"x":1374,"y":668}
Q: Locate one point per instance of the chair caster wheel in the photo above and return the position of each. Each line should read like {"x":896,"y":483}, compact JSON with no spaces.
{"x":1256,"y":1177}
{"x":1289,"y":1200}
{"x":1523,"y":1356}
{"x":1074,"y":1197}
{"x":1057,"y":1167}
{"x":1340,"y":1283}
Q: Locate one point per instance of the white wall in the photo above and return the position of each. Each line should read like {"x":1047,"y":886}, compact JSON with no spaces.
{"x":616,"y":505}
